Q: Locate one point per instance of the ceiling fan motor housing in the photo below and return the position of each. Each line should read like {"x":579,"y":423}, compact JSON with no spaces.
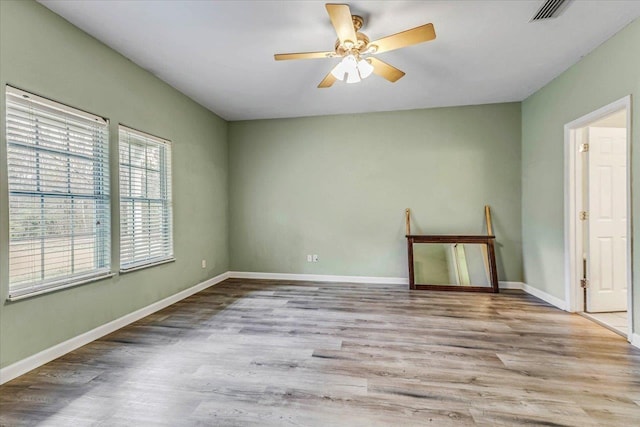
{"x":358,"y":22}
{"x":359,"y":46}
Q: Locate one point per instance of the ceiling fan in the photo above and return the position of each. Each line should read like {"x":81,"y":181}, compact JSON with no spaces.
{"x":356,"y":49}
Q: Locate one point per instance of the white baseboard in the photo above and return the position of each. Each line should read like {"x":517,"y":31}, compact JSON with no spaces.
{"x":25,"y":365}
{"x":557,"y":302}
{"x":635,"y":340}
{"x":319,"y":278}
{"x":560,"y":303}
{"x":510,"y":285}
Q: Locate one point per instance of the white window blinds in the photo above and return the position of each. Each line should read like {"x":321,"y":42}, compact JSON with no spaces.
{"x":146,"y":231}
{"x":58,"y":173}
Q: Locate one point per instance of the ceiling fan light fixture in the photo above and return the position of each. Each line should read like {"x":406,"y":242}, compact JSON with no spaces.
{"x":352,"y":69}
{"x":353,"y":77}
{"x":348,"y":66}
{"x":365,"y":68}
{"x":339,"y":71}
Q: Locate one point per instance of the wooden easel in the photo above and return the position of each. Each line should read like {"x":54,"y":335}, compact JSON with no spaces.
{"x":488,"y":241}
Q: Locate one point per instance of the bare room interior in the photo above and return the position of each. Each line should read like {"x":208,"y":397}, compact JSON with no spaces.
{"x":307,"y":213}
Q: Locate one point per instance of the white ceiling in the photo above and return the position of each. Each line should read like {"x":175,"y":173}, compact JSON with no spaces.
{"x":220,"y":53}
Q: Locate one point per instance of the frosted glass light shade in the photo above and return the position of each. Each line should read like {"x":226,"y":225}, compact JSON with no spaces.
{"x":353,"y":77}
{"x":365,"y":68}
{"x":338,"y":72}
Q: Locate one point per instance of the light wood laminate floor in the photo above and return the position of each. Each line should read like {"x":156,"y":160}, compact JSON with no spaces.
{"x":252,"y":352}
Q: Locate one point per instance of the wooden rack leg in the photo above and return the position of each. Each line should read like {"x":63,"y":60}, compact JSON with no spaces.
{"x":487,"y":215}
{"x":407,"y":219}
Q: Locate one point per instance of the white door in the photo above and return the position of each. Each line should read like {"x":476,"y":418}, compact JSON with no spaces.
{"x":607,"y":220}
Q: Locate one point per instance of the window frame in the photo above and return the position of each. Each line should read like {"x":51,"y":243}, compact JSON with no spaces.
{"x":165,"y":170}
{"x":101,"y":196}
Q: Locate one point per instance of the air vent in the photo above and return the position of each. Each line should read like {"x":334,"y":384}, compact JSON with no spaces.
{"x":548,"y":10}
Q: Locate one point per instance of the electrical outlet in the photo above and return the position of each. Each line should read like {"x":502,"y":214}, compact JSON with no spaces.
{"x":315,"y":258}
{"x":204,"y":263}
{"x":309,"y":258}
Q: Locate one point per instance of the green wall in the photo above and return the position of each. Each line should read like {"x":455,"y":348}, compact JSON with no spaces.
{"x":337,"y":186}
{"x":607,"y":74}
{"x":42,"y":53}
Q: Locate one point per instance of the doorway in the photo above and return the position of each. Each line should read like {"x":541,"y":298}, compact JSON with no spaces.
{"x":598,"y":220}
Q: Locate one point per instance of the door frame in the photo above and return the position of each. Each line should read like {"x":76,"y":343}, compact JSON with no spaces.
{"x":573,"y":202}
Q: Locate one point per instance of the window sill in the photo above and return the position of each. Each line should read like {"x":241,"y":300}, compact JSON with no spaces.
{"x":143,"y":266}
{"x":20,"y":295}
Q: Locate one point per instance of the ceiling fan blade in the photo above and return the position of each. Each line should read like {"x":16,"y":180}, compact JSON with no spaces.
{"x":303,"y":55}
{"x":328,"y":81}
{"x":385,"y":70}
{"x":340,"y":15}
{"x":423,"y":33}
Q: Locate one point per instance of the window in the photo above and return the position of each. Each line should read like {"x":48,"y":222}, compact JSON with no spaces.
{"x":146,"y":235}
{"x":58,"y":176}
